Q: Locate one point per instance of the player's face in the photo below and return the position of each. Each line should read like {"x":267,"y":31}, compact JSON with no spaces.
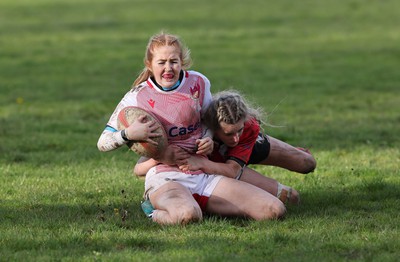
{"x":166,"y":65}
{"x":229,"y":134}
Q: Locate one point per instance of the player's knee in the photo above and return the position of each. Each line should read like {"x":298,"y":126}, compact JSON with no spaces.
{"x":309,"y":165}
{"x":279,"y":210}
{"x":188,"y":214}
{"x":274,"y":210}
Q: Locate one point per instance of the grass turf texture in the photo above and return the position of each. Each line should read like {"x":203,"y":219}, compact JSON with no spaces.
{"x":331,"y":66}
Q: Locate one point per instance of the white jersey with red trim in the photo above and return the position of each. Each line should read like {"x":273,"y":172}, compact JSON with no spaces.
{"x":178,"y":110}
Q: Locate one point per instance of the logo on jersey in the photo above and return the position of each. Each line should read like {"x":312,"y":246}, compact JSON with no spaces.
{"x":195,"y":92}
{"x":181,"y":131}
{"x":151,"y":102}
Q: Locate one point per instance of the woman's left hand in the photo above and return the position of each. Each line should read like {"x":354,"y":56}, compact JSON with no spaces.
{"x":205,"y":146}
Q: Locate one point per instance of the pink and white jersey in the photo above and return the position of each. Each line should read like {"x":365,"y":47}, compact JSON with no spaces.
{"x":179,"y":110}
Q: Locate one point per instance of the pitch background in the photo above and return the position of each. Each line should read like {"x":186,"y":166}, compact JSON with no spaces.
{"x":325,"y":72}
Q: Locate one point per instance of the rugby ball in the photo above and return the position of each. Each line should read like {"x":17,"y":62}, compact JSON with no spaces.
{"x":127,"y":116}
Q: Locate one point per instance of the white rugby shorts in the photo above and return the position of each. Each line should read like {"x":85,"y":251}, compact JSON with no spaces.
{"x":201,"y":186}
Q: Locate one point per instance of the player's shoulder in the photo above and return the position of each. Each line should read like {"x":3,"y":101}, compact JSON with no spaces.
{"x":133,"y":95}
{"x":197,"y":74}
{"x":139,"y":88}
{"x":251,"y":126}
{"x":252,"y":121}
{"x":136,"y":91}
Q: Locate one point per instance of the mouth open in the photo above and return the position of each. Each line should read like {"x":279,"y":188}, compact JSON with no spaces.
{"x":168,"y":76}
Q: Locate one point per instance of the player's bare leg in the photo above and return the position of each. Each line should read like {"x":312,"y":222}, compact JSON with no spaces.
{"x":289,"y":157}
{"x":174,"y":204}
{"x":284,"y":193}
{"x":236,"y":198}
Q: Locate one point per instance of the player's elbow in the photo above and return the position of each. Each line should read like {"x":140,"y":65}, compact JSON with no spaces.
{"x":102,"y":145}
{"x":138,"y":171}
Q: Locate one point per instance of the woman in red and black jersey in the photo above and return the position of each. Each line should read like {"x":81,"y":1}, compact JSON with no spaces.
{"x":239,"y":142}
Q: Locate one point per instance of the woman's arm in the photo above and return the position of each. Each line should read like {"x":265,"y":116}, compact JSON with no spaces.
{"x":230,"y":168}
{"x":173,"y":155}
{"x":110,"y":140}
{"x":139,"y":130}
{"x":143,"y":165}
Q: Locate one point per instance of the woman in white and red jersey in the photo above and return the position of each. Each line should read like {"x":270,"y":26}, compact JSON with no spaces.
{"x":239,"y":142}
{"x":178,"y":98}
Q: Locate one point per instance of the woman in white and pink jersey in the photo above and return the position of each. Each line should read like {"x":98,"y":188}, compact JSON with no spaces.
{"x":178,"y":98}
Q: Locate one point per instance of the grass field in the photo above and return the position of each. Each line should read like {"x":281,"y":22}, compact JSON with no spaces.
{"x":327,"y":72}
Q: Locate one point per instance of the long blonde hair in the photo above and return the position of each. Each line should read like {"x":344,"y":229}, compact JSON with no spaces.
{"x":157,"y":40}
{"x":229,"y":107}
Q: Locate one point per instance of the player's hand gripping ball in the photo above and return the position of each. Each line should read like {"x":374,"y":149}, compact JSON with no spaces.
{"x":131,"y":113}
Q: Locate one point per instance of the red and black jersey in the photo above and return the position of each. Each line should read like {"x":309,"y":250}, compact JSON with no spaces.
{"x":242,"y":152}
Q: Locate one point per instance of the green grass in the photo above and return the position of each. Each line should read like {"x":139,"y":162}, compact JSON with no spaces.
{"x":325,"y":71}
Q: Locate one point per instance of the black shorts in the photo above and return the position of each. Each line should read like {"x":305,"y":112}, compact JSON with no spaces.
{"x":260,"y":150}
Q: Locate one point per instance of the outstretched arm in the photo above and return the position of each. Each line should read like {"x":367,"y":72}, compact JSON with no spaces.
{"x":230,"y":168}
{"x":233,"y":170}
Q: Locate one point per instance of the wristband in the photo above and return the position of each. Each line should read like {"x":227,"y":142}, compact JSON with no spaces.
{"x":240,"y":173}
{"x":123,"y":135}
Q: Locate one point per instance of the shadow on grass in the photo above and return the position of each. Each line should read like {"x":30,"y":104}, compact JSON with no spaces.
{"x":94,"y":230}
{"x":372,"y":196}
{"x":81,"y":228}
{"x":368,"y":199}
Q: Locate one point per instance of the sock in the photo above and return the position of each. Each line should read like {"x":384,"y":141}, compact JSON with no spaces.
{"x":284,"y":193}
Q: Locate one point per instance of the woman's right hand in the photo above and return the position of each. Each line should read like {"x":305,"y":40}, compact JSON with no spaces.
{"x":140,"y":130}
{"x":174,"y":155}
